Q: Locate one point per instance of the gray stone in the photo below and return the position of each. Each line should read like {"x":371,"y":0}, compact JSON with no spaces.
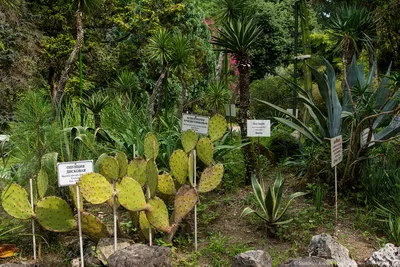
{"x":388,"y":256}
{"x":306,"y":262}
{"x":252,"y":258}
{"x":105,"y":247}
{"x":142,"y":256}
{"x":21,"y":264}
{"x":324,"y":246}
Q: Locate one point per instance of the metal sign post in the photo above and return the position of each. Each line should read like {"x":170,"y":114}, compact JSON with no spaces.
{"x":33,"y":221}
{"x":195,"y":206}
{"x":258,"y":128}
{"x":336,"y":158}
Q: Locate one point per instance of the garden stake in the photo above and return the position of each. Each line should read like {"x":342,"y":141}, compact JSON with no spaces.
{"x":33,"y":222}
{"x":195,"y":206}
{"x":78,"y":204}
{"x":150,"y":233}
{"x":336,"y":193}
{"x":115,"y":217}
{"x":258,"y":161}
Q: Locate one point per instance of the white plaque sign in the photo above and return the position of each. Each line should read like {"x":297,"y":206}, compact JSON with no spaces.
{"x":336,"y":150}
{"x":290,"y":110}
{"x":198,"y":124}
{"x":364,"y":138}
{"x":258,"y":128}
{"x":230,"y":110}
{"x":69,"y":173}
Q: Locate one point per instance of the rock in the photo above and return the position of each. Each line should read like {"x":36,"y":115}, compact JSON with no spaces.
{"x":141,"y":255}
{"x":306,"y":262}
{"x":252,"y":258}
{"x":105,"y":247}
{"x":21,"y":264}
{"x":324,"y":246}
{"x":388,"y":256}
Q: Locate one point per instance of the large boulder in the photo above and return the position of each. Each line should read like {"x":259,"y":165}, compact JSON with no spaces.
{"x":324,"y":246}
{"x":105,"y":247}
{"x":252,"y":258}
{"x":141,"y":255}
{"x":306,"y":262}
{"x":388,"y":256}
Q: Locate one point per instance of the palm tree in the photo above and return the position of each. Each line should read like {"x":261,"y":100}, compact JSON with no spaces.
{"x":159,"y":50}
{"x":238,"y":37}
{"x":354,"y":28}
{"x":181,"y":59}
{"x":95,"y":103}
{"x":82,"y":6}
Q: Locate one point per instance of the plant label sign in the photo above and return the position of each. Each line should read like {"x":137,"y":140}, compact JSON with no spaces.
{"x":199,"y":124}
{"x":364,"y":137}
{"x":258,"y":128}
{"x":230,"y":110}
{"x":336,"y":150}
{"x":69,"y":173}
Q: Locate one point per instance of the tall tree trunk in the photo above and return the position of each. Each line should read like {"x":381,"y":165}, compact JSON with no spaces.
{"x":52,"y":84}
{"x":72,"y":57}
{"x":244,"y":97}
{"x":183,"y":95}
{"x":154,"y":94}
{"x":218,"y":73}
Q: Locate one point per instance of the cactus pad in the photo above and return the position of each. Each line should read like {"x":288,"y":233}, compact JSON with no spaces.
{"x":15,"y":202}
{"x":178,"y":163}
{"x":144,"y":224}
{"x":130,"y":194}
{"x":152,"y":176}
{"x":191,"y":169}
{"x":123,"y":164}
{"x":217,"y":127}
{"x":166,"y":184}
{"x":185,"y":200}
{"x":93,"y":227}
{"x":211,"y":178}
{"x":205,"y":150}
{"x":95,"y":188}
{"x":137,"y":170}
{"x":72,"y":195}
{"x":109,"y":168}
{"x":99,"y":160}
{"x":42,"y":182}
{"x":150,"y":146}
{"x":54,"y":214}
{"x":158,"y":215}
{"x":189,"y":140}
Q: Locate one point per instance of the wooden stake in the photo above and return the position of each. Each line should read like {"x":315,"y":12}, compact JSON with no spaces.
{"x":33,"y":222}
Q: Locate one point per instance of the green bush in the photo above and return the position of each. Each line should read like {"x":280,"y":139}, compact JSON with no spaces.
{"x":282,"y":144}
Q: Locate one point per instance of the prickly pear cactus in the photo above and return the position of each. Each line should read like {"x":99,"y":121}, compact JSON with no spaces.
{"x":137,"y":170}
{"x":211,"y":178}
{"x":95,"y":188}
{"x":42,"y":182}
{"x":93,"y":227}
{"x":54,"y":214}
{"x":152,"y":176}
{"x":123,"y":164}
{"x":151,"y":146}
{"x":144,"y":224}
{"x":189,"y":140}
{"x":205,"y":150}
{"x":217,"y":127}
{"x":72,"y":195}
{"x":109,"y":168}
{"x":130,"y":195}
{"x":166,"y":184}
{"x":99,"y":160}
{"x":158,"y":215}
{"x":191,"y":169}
{"x":185,"y":200}
{"x":15,"y":202}
{"x":179,"y":166}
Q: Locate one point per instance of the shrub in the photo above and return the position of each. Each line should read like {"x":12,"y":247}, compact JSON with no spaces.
{"x":282,"y":144}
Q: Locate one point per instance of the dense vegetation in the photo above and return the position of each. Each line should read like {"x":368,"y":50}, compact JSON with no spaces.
{"x":82,"y":78}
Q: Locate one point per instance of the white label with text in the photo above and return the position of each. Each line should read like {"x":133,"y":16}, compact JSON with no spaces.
{"x":336,"y":150}
{"x":198,"y":124}
{"x":258,"y":128}
{"x":69,"y":173}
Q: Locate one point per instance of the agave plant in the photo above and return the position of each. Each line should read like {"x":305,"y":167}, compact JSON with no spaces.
{"x":270,"y":201}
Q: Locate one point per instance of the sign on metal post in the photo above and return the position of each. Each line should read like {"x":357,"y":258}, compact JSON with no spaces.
{"x":230,"y":110}
{"x":69,"y":173}
{"x":364,"y":138}
{"x":198,"y":124}
{"x":258,"y":128}
{"x":336,"y":150}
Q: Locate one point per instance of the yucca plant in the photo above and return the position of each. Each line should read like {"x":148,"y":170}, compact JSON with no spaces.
{"x":270,"y":201}
{"x":95,"y":103}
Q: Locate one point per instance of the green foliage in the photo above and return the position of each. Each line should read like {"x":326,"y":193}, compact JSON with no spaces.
{"x":282,"y":144}
{"x":270,"y":201}
{"x":271,"y":89}
{"x":216,"y":96}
